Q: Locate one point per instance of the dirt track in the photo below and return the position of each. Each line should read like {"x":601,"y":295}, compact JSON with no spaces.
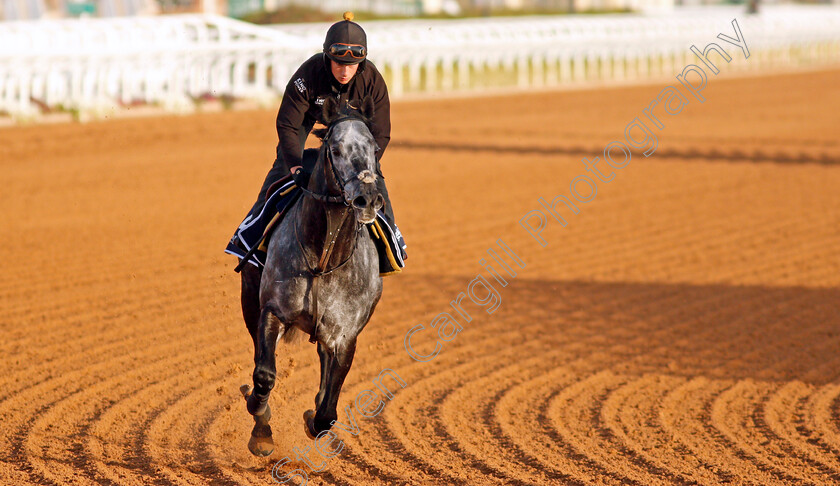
{"x":683,"y":328}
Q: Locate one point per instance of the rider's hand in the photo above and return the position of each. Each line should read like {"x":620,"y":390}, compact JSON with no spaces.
{"x":294,"y":169}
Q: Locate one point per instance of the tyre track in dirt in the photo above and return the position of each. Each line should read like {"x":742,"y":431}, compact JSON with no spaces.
{"x":469,"y":415}
{"x":440,"y":445}
{"x":718,"y":427}
{"x":786,"y":448}
{"x":632,"y":412}
{"x":548,"y":459}
{"x":733,"y":416}
{"x":84,"y":400}
{"x":117,"y":341}
{"x":692,"y":153}
{"x":686,"y":416}
{"x":821,"y":421}
{"x":488,"y":328}
{"x":785,"y":418}
{"x":701,"y":303}
{"x":573,"y":414}
{"x":75,"y":368}
{"x":399,"y":437}
{"x":781,"y":443}
{"x":613,"y":404}
{"x":680,"y":330}
{"x":434,"y":435}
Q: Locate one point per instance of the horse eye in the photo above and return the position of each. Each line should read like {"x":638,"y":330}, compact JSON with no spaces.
{"x":336,"y":151}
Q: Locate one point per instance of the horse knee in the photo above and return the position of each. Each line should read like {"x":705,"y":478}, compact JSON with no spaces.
{"x":263,"y":380}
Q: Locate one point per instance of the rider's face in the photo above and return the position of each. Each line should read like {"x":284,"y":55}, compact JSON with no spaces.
{"x":343,"y":72}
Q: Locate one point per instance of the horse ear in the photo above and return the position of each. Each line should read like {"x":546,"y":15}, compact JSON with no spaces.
{"x":329,"y":110}
{"x":367,"y":107}
{"x":320,"y":133}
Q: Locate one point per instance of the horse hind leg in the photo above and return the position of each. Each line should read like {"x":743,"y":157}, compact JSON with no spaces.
{"x":338,"y":365}
{"x":324,"y":358}
{"x":250,"y":300}
{"x":256,"y":397}
{"x":309,"y":416}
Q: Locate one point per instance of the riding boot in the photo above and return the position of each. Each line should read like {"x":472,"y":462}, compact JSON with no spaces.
{"x":388,"y":210}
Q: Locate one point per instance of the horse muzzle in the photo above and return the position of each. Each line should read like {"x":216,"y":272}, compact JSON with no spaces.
{"x":367,"y":200}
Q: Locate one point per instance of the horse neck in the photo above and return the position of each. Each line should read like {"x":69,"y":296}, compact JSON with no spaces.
{"x":318,"y":218}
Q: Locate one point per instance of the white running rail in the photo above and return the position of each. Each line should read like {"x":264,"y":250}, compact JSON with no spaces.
{"x":527,"y":52}
{"x":96,"y":65}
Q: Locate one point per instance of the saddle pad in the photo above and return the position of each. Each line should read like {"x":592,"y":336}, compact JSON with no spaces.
{"x":386,"y":236}
{"x":389,"y":243}
{"x":251,"y":230}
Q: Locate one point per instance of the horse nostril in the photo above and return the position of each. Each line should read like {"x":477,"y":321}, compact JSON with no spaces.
{"x":360,"y":202}
{"x":380,"y":202}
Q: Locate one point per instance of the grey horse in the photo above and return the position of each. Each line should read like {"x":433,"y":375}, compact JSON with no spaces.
{"x":321,"y":274}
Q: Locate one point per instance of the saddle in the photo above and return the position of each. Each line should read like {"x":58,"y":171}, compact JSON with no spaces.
{"x":281,"y":197}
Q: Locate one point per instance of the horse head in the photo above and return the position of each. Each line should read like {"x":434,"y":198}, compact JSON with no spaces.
{"x":349,"y":149}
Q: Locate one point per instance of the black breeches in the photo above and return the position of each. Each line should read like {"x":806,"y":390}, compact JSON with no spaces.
{"x":274,"y":174}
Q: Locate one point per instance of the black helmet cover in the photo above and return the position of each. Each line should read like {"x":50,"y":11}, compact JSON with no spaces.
{"x":345,"y":32}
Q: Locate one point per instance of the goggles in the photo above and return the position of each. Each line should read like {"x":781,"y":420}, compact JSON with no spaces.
{"x":348,"y":50}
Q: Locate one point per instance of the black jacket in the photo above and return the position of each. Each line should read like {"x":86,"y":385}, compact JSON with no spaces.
{"x":304,"y":97}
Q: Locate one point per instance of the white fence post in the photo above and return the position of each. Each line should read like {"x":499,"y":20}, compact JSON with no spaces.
{"x":95,"y":64}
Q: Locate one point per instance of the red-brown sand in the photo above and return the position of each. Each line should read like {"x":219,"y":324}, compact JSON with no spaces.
{"x":683,"y":328}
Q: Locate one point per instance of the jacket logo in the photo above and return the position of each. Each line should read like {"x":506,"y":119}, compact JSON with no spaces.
{"x":299,"y":85}
{"x":319,"y":100}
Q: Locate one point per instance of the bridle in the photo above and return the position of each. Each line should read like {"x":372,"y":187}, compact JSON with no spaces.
{"x":333,"y":231}
{"x":326,"y":198}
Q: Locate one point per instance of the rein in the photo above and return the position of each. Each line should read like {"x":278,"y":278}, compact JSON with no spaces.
{"x":326,"y":198}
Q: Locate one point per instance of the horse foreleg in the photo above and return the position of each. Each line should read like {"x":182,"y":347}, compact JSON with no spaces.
{"x":265,"y":369}
{"x":265,"y":373}
{"x":340,"y":360}
{"x":261,"y":444}
{"x":325,"y":360}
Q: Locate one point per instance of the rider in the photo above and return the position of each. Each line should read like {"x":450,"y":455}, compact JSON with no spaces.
{"x":343,"y":72}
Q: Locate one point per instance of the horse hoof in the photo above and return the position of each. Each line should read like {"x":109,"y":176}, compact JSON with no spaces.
{"x":309,"y":424}
{"x":261,"y":446}
{"x":246,"y":390}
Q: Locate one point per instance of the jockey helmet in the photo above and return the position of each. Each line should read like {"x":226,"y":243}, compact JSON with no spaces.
{"x":346,"y":42}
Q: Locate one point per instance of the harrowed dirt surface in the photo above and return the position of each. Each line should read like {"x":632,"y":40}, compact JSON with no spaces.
{"x":683,"y":328}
